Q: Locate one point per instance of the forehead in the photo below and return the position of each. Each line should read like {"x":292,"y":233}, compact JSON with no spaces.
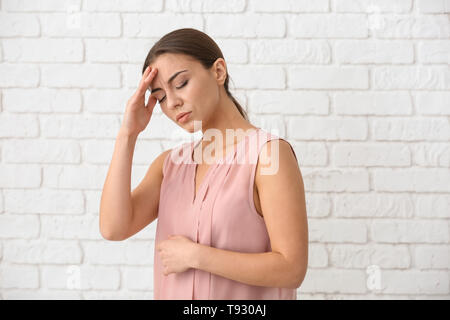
{"x":170,"y":63}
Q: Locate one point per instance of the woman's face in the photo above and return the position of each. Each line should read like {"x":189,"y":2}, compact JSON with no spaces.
{"x":191,"y":89}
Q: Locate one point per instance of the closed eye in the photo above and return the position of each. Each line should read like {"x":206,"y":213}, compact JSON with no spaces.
{"x":185,"y":83}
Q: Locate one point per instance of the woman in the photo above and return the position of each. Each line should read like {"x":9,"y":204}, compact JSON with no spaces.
{"x":225,"y":230}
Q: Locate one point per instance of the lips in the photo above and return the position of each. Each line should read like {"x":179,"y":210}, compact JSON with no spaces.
{"x":182,"y":114}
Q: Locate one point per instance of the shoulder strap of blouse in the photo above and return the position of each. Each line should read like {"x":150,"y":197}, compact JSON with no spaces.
{"x":259,"y":140}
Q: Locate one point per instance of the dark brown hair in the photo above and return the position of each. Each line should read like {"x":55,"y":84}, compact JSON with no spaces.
{"x":195,"y":44}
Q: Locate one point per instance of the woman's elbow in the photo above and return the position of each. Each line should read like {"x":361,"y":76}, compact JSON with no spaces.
{"x":298,"y":278}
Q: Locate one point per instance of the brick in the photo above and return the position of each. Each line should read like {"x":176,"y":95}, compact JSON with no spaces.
{"x":41,"y":151}
{"x":290,"y":51}
{"x":317,"y":256}
{"x":19,"y":25}
{"x":79,"y":126}
{"x":13,"y":75}
{"x":432,"y":256}
{"x":41,"y":5}
{"x":435,"y":6}
{"x":145,"y":152}
{"x":106,"y":100}
{"x":98,"y":151}
{"x":118,"y":295}
{"x":26,"y":294}
{"x":371,"y":6}
{"x":28,"y":128}
{"x":116,"y":50}
{"x":324,"y":77}
{"x":412,"y":180}
{"x":19,"y":226}
{"x":367,"y":155}
{"x":154,"y":25}
{"x":19,"y":277}
{"x":257,"y":77}
{"x":396,"y":26}
{"x":310,"y":296}
{"x":433,"y":103}
{"x":415,"y":282}
{"x":47,"y":100}
{"x":245,"y":26}
{"x":318,"y":205}
{"x":86,"y":277}
{"x":234,"y":50}
{"x":379,"y":205}
{"x":287,"y":6}
{"x":199,"y":6}
{"x":412,"y":129}
{"x":138,"y":278}
{"x":434,"y":51}
{"x":281,"y":102}
{"x":353,"y":256}
{"x":345,"y":25}
{"x":125,"y":252}
{"x":131,"y":75}
{"x":412,"y":77}
{"x":337,"y":230}
{"x":334,"y":281}
{"x":409,"y":231}
{"x":46,"y":201}
{"x":20,"y":176}
{"x":80,"y":76}
{"x":42,"y":251}
{"x":43,"y":50}
{"x":374,"y":51}
{"x":120,"y":6}
{"x":92,"y":201}
{"x":373,"y":103}
{"x":74,"y":177}
{"x":329,"y":128}
{"x":81,"y":25}
{"x":433,"y":206}
{"x":337,"y":180}
{"x":431,"y":154}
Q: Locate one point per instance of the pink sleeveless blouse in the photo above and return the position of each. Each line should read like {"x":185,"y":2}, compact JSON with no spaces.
{"x":222,"y":215}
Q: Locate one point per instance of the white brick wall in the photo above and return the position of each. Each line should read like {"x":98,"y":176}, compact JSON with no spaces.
{"x":361,"y":88}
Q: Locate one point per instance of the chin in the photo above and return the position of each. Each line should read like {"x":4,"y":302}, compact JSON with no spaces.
{"x":189,"y":128}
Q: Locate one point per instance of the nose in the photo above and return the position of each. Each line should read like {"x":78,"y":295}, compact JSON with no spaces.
{"x":173,"y":101}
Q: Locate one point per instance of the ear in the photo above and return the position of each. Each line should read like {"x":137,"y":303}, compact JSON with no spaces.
{"x":220,"y":70}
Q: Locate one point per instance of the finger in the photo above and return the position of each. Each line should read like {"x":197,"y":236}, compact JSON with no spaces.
{"x":142,"y":81}
{"x":141,"y":84}
{"x":146,"y":79}
{"x":145,"y":74}
{"x":151,"y":102}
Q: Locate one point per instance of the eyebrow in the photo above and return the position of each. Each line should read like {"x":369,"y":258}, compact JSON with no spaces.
{"x":170,"y":79}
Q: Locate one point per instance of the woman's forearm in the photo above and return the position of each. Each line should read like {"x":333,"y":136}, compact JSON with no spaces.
{"x":268,"y":269}
{"x":115,"y":203}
